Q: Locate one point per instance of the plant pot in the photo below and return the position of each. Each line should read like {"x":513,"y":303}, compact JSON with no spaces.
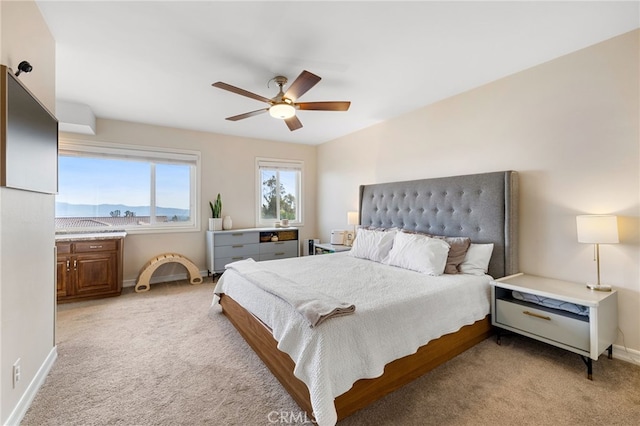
{"x":227,"y":223}
{"x":215,"y":224}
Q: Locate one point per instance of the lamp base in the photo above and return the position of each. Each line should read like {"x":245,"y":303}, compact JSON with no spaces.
{"x":599,"y":287}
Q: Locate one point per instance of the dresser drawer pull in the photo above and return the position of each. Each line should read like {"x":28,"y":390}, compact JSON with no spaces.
{"x":68,"y":265}
{"x":237,"y":246}
{"x":95,"y":247}
{"x":237,"y":258}
{"x":279,"y":243}
{"x":536,"y":315}
{"x":237,"y":234}
{"x":280,"y":253}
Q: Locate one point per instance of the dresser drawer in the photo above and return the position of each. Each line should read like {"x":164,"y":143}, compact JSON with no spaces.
{"x":234,"y":238}
{"x":221,"y":262}
{"x":549,"y":325}
{"x":236,"y":250}
{"x":290,"y":248}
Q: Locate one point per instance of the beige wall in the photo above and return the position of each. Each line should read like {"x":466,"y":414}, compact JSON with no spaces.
{"x":228,"y":168}
{"x":27,"y":286}
{"x":569,"y":127}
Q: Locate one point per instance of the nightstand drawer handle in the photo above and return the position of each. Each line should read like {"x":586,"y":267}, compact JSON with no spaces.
{"x":95,"y":247}
{"x":536,"y":315}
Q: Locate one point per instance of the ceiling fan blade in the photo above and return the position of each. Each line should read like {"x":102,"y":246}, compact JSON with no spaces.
{"x":325,"y":106}
{"x":239,"y":91}
{"x":301,"y":85}
{"x":293,"y":123}
{"x":247,"y":114}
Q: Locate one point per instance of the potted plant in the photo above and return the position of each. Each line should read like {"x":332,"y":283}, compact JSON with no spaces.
{"x":215,"y":223}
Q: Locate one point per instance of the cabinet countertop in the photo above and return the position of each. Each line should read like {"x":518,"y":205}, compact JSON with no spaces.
{"x":89,"y":236}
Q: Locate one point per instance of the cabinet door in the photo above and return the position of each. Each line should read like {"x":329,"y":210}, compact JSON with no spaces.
{"x":96,"y":273}
{"x":63,"y":267}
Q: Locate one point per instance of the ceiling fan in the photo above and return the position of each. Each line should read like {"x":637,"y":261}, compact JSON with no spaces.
{"x":284,"y":105}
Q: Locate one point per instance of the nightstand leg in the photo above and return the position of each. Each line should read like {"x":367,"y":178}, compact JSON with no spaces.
{"x":610,"y":352}
{"x":498,"y":340}
{"x":589,"y":364}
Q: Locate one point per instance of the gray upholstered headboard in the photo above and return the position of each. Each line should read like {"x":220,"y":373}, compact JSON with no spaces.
{"x":483,"y":207}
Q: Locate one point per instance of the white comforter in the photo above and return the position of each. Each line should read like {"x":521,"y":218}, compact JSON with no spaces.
{"x":397,"y":311}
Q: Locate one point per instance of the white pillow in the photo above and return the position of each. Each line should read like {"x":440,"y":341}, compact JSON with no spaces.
{"x":372,"y":244}
{"x":419,"y":253}
{"x":476,"y":261}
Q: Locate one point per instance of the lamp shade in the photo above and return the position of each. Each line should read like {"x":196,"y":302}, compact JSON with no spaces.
{"x":597,"y":229}
{"x":353,"y":218}
{"x":282,"y":110}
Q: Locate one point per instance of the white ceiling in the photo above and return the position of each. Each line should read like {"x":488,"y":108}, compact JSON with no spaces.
{"x":154,"y":61}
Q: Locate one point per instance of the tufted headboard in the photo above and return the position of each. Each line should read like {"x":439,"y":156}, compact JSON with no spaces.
{"x":483,"y":207}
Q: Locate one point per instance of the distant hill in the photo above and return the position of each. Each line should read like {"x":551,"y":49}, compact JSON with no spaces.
{"x":104,"y":210}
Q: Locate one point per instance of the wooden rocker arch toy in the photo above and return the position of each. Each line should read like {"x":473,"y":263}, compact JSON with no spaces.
{"x":150,"y":267}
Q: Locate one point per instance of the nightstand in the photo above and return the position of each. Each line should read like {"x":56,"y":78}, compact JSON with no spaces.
{"x":588,"y":336}
{"x":324,"y":248}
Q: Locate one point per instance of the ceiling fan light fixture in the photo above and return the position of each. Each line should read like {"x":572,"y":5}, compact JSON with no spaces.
{"x":282,"y":110}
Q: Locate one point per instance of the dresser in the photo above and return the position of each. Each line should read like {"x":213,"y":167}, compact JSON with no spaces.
{"x":89,"y":266}
{"x":557,"y":322}
{"x":259,"y":244}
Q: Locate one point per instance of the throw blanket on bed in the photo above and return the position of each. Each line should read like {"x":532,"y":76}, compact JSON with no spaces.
{"x":313,"y":305}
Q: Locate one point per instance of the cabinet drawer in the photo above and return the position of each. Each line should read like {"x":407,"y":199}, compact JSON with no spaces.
{"x":559,"y":328}
{"x":236,"y":250}
{"x":234,"y":238}
{"x":221,"y":262}
{"x":288,"y":247}
{"x":99,"y":245}
{"x":276,"y":255}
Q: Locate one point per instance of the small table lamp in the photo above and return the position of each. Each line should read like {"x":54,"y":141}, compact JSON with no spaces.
{"x":597,"y":229}
{"x":353,"y":218}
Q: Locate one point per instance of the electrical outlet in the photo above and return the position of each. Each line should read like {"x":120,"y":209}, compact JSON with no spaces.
{"x":16,"y":373}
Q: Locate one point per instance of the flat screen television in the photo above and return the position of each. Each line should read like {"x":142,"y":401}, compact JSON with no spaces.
{"x":29,"y":139}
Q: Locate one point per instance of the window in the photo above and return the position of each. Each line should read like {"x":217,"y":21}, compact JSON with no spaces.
{"x":279,"y":191}
{"x":119,"y":187}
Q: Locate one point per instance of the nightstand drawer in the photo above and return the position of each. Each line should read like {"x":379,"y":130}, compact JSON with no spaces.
{"x":549,"y":325}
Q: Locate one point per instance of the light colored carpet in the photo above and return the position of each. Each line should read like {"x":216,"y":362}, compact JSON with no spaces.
{"x":156,"y":358}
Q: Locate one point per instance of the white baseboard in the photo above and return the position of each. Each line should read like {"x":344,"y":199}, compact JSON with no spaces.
{"x":163,"y":278}
{"x":30,"y":393}
{"x":628,"y":355}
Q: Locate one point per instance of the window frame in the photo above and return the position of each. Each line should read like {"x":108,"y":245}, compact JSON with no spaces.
{"x":279,"y":164}
{"x":152,"y":154}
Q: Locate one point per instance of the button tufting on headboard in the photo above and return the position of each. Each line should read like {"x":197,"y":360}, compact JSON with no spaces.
{"x":482,"y":207}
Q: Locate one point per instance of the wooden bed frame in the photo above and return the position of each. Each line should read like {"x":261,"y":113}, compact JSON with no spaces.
{"x":483,"y":207}
{"x":364,"y":391}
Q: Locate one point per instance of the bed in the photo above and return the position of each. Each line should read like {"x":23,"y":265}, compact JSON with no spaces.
{"x":482,"y":207}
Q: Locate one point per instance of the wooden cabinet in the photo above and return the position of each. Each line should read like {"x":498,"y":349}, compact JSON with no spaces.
{"x":224,"y":247}
{"x":89,"y":269}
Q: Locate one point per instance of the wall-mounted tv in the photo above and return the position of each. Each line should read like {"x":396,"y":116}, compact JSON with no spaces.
{"x":29,"y":139}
